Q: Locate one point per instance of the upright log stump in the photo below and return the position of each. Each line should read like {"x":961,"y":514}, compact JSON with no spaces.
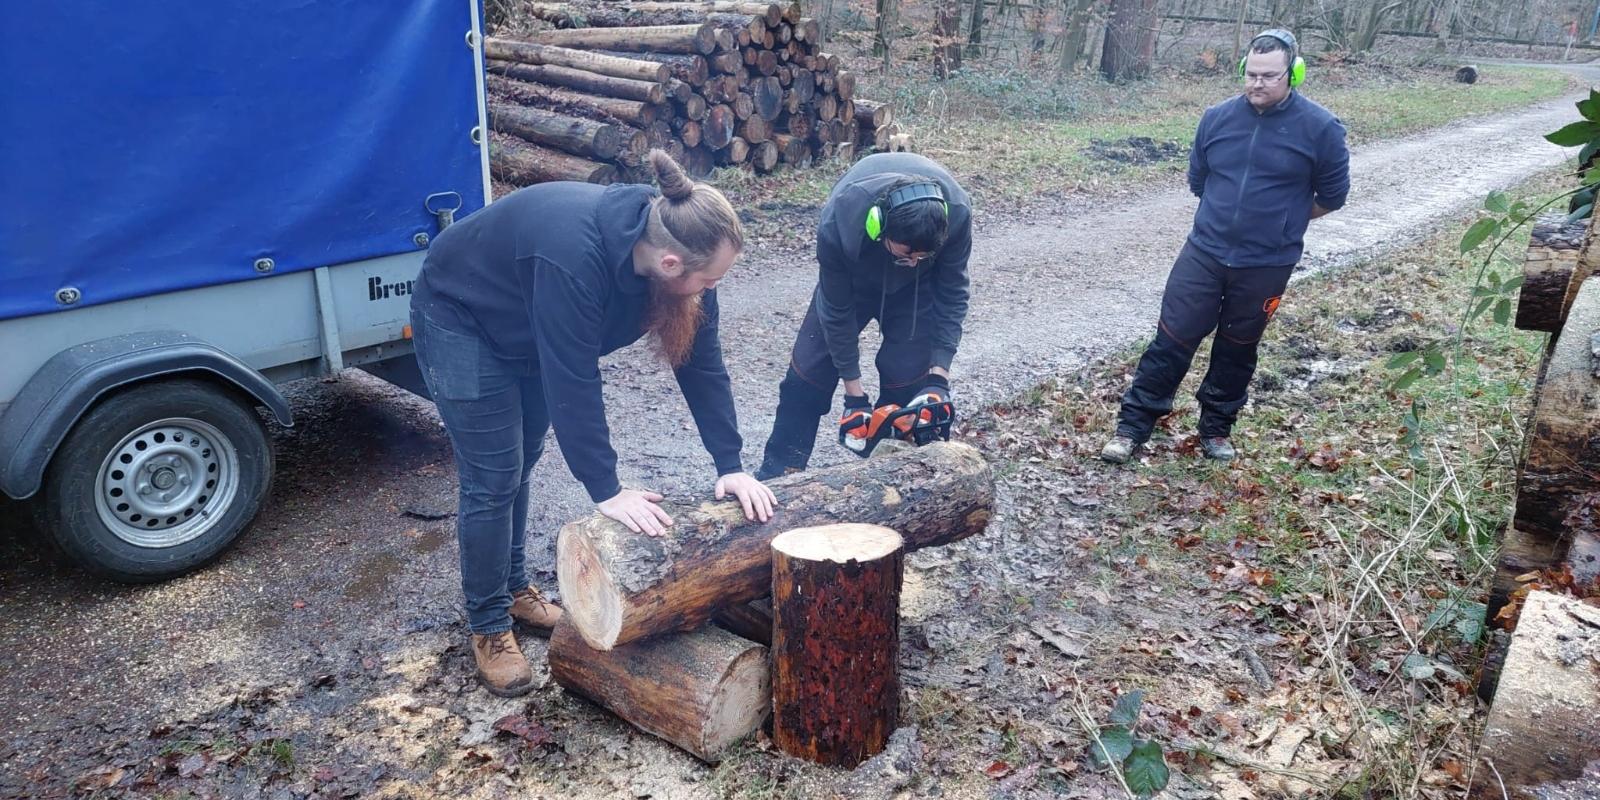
{"x":702,"y":691}
{"x":835,"y":641}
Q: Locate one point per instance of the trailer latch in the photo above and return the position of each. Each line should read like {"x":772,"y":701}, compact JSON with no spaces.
{"x":442,"y":210}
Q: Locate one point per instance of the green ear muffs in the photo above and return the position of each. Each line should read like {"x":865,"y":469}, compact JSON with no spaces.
{"x":905,"y":195}
{"x":1297,"y":69}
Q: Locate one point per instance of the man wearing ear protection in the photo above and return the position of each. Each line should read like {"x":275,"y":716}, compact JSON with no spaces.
{"x":1264,"y":165}
{"x":892,"y":246}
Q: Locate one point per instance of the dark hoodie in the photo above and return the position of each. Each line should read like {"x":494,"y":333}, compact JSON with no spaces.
{"x":544,"y":276}
{"x":853,"y":265}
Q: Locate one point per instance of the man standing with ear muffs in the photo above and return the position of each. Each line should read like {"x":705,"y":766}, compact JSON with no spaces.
{"x":1264,"y":165}
{"x":892,"y":245}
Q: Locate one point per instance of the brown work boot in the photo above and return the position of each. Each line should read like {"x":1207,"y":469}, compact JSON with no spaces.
{"x":530,"y":608}
{"x":501,"y":665}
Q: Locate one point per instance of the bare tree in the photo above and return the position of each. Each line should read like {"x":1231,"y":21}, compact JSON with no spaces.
{"x":1130,"y":40}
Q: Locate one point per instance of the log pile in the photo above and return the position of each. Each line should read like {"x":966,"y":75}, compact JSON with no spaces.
{"x":646,"y":629}
{"x":720,"y":83}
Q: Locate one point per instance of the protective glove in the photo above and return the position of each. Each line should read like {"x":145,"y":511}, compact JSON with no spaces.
{"x":855,"y":423}
{"x":936,"y":390}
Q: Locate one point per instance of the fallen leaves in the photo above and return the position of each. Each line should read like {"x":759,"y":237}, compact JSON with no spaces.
{"x":531,"y":733}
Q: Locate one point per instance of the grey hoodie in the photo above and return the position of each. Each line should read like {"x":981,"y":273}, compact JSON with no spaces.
{"x":855,"y":268}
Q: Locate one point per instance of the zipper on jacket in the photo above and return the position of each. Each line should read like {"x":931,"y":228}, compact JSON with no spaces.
{"x":1244,"y":183}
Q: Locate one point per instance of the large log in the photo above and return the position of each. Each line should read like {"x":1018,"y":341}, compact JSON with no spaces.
{"x":575,"y":135}
{"x":625,"y":15}
{"x":700,"y":39}
{"x":764,"y":156}
{"x":771,"y":13}
{"x":514,"y":161}
{"x":599,"y":63}
{"x":1561,"y":469}
{"x":744,"y":106}
{"x":620,"y":586}
{"x":605,"y":109}
{"x":835,"y":641}
{"x":702,"y":691}
{"x":1542,"y":736}
{"x":694,"y":108}
{"x":579,"y":80}
{"x":717,"y":129}
{"x":791,"y":149}
{"x":698,"y":161}
{"x":805,"y":84}
{"x":688,"y":132}
{"x":768,"y":95}
{"x":808,"y":30}
{"x":735,"y":154}
{"x":845,"y":85}
{"x":691,"y":68}
{"x":755,"y":129}
{"x":1553,"y":251}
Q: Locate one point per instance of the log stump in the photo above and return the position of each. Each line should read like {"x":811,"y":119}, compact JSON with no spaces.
{"x":702,"y":691}
{"x":1553,"y":250}
{"x":835,"y":641}
{"x":1542,"y":737}
{"x":620,"y":586}
{"x":1466,"y":73}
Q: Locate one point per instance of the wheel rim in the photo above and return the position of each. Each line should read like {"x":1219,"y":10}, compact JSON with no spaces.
{"x":167,"y":483}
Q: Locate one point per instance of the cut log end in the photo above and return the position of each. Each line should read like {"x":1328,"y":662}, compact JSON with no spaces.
{"x":741,"y":702}
{"x":593,"y":603}
{"x":840,"y":543}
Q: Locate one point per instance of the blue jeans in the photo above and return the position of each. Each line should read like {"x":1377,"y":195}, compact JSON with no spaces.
{"x":494,"y":411}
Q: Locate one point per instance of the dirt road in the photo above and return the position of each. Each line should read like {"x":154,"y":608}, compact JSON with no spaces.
{"x":349,"y":572}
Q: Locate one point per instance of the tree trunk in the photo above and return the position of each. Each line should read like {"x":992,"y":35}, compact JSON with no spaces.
{"x":1553,"y":251}
{"x":687,"y":67}
{"x":602,"y":64}
{"x":620,"y":586}
{"x":1238,"y":32}
{"x":1130,"y":44}
{"x":1561,"y":471}
{"x":1543,"y":731}
{"x":946,"y":39}
{"x":578,"y":80}
{"x":702,"y":691}
{"x":1077,"y":34}
{"x":883,"y":33}
{"x":583,"y":137}
{"x":975,"y":30}
{"x":514,"y":161}
{"x":771,"y":13}
{"x":700,"y":39}
{"x":606,"y":109}
{"x":835,"y":641}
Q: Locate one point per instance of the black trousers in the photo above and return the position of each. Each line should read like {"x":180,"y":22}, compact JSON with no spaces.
{"x":1203,"y":295}
{"x":806,"y":393}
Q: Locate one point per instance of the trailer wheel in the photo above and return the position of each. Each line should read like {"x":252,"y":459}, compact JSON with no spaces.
{"x":157,"y":480}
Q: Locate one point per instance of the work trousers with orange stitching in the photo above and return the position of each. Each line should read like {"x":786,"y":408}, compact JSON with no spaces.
{"x":1203,"y":295}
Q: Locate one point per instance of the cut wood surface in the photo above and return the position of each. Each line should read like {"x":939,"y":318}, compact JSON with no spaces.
{"x":1553,"y":249}
{"x":1542,"y":735}
{"x":573,"y":103}
{"x":702,"y":691}
{"x":835,"y":641}
{"x":598,"y":63}
{"x":619,"y":586}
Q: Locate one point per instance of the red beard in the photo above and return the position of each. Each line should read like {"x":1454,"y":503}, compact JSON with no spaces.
{"x":673,"y":320}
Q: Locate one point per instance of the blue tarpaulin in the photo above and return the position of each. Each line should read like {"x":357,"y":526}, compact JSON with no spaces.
{"x":155,"y":147}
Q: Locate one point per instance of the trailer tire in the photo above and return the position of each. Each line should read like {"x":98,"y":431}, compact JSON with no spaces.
{"x":156,"y":480}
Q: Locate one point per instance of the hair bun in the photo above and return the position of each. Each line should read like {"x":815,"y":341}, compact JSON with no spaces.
{"x":675,"y":185}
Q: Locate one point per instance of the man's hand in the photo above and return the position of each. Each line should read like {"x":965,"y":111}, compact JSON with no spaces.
{"x":853,"y":423}
{"x":1319,"y":211}
{"x":637,"y":510}
{"x":757,"y":499}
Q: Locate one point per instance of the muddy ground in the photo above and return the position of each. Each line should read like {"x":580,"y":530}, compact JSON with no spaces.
{"x":324,"y":655}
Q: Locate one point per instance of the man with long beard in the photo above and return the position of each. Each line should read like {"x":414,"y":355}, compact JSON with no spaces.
{"x":514,"y":307}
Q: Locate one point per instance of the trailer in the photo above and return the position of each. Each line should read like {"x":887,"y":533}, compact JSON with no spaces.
{"x":198,"y":204}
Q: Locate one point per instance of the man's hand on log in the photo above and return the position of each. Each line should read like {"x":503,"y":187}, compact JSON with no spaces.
{"x":638,"y":510}
{"x":757,"y":499}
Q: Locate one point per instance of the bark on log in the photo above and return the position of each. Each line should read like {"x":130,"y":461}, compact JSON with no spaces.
{"x":752,"y":620}
{"x":845,"y":85}
{"x":730,"y":63}
{"x":620,"y":586}
{"x":764,"y":157}
{"x":827,"y":107}
{"x":688,"y":132}
{"x":605,"y":109}
{"x":679,"y":92}
{"x":599,"y":63}
{"x":1553,"y":251}
{"x":835,"y":641}
{"x":583,"y":137}
{"x":736,"y":153}
{"x":702,"y":691}
{"x":514,"y":161}
{"x":700,"y":39}
{"x":579,"y":80}
{"x":771,"y":13}
{"x":1562,"y":465}
{"x":698,"y":161}
{"x":791,"y":149}
{"x":691,"y":68}
{"x":805,"y":85}
{"x":768,"y":96}
{"x":717,"y":129}
{"x":1543,"y":731}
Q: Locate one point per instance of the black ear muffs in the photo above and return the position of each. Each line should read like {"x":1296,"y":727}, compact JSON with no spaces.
{"x":1297,"y":65}
{"x":905,"y":195}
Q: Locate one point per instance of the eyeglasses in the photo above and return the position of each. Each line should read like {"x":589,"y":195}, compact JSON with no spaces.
{"x":1266,"y":79}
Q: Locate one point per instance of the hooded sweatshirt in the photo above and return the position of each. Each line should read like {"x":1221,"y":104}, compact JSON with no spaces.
{"x":544,"y":277}
{"x":853,"y":266}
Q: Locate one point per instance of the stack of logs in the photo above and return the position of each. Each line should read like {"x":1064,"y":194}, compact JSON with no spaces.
{"x":712,"y":83}
{"x":672,"y":634}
